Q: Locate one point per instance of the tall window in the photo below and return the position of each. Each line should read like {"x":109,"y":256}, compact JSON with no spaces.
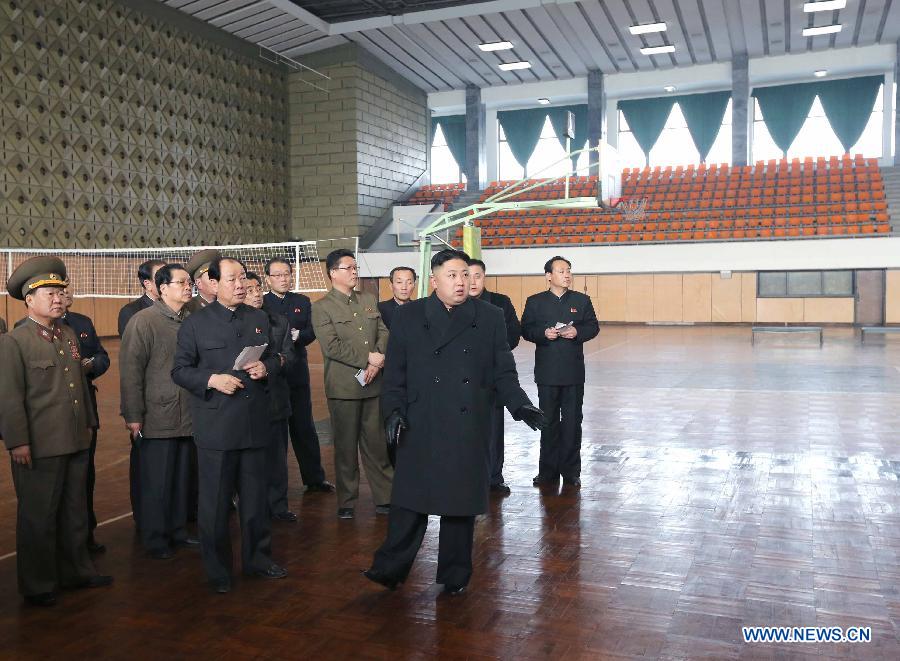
{"x":444,"y":168}
{"x":675,"y":145}
{"x":817,"y":138}
{"x":547,"y":152}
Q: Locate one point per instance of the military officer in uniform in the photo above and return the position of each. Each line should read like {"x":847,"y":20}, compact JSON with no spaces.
{"x":448,"y":359}
{"x":45,"y":421}
{"x":95,"y":361}
{"x":353,"y":340}
{"x":477,"y":271}
{"x":403,"y":284}
{"x":280,"y":406}
{"x":559,"y":321}
{"x":146,"y":273}
{"x":296,"y":309}
{"x":230,"y":415}
{"x":198,"y":267}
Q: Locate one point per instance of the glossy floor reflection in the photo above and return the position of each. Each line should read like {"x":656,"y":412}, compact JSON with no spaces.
{"x":724,"y":485}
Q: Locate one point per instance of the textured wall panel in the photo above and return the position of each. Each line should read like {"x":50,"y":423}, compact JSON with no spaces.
{"x":118,"y":130}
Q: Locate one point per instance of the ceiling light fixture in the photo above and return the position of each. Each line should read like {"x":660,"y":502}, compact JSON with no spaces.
{"x":669,"y":88}
{"x":544,"y":101}
{"x":495,"y":45}
{"x":825,"y":29}
{"x":647,"y":28}
{"x":825,"y":5}
{"x":512,"y":66}
{"x":655,"y":50}
{"x":821,"y":73}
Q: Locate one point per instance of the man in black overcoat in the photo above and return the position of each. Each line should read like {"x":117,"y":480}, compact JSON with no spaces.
{"x":447,"y":360}
{"x":230,"y":412}
{"x":559,"y":321}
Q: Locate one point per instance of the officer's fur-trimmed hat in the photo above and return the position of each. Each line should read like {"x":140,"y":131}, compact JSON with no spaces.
{"x":34,"y":273}
{"x":200,"y":262}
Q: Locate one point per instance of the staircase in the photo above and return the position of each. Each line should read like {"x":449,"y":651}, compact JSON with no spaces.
{"x":891,"y":178}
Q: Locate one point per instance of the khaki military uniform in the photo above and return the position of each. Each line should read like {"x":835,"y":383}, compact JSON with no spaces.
{"x":348,"y":329}
{"x":45,"y":404}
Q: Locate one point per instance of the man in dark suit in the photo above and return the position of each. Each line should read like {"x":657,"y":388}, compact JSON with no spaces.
{"x":95,"y":361}
{"x":447,"y":360}
{"x":146,"y":272}
{"x":297,"y":309}
{"x":559,"y":321}
{"x":477,"y":271}
{"x":230,"y":414}
{"x":280,"y":408}
{"x":403,"y":284}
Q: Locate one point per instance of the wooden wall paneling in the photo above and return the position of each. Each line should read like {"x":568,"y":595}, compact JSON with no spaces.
{"x":748,"y":297}
{"x":639,"y":298}
{"x":726,"y":298}
{"x":829,"y":310}
{"x":697,"y":297}
{"x":610,"y":302}
{"x":511,"y":285}
{"x":667,"y":297}
{"x":779,"y":310}
{"x":892,"y":297}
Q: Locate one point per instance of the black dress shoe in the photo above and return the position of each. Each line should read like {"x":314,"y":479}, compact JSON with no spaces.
{"x":186,"y":543}
{"x":95,"y":547}
{"x":272,"y":571}
{"x":97,"y":581}
{"x":381,"y":579}
{"x":44,"y":600}
{"x":383,"y":510}
{"x":454,"y":589}
{"x":540,"y":480}
{"x":572,"y":482}
{"x":289,"y":517}
{"x":220,"y":587}
{"x":345,"y":513}
{"x":501,"y":488}
{"x":320,"y":487}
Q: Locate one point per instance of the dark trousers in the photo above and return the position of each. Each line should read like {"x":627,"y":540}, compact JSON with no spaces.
{"x":91,"y":481}
{"x":304,"y":438}
{"x":164,"y":491}
{"x":406,"y":529}
{"x":222,"y":473}
{"x":496,"y":445}
{"x":561,"y":440}
{"x":276,"y":463}
{"x":51,"y":523}
{"x":134,"y":483}
{"x":193,"y":492}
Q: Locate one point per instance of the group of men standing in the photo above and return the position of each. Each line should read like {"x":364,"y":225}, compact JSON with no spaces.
{"x":213,"y":386}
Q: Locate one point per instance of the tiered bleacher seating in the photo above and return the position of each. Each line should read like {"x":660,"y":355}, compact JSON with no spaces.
{"x":444,"y":194}
{"x":774,"y":199}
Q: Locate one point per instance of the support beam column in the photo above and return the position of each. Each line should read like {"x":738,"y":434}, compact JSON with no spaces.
{"x":740,"y":109}
{"x":595,"y":110}
{"x":888,"y":156}
{"x":476,"y":166}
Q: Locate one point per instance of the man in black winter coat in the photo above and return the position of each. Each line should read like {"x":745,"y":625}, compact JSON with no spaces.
{"x":447,"y":360}
{"x":559,"y":321}
{"x":477,"y":289}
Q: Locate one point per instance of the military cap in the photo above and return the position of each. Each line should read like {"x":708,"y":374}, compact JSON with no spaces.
{"x":200,"y":262}
{"x":34,"y":273}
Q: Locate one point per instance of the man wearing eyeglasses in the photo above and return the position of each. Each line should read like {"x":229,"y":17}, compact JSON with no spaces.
{"x":353,"y":339}
{"x":297,"y":310}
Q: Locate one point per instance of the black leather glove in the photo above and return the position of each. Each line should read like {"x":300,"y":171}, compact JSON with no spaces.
{"x":395,"y":423}
{"x":531,"y":416}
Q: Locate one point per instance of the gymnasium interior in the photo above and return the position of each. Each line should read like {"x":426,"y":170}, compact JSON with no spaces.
{"x":723,"y":177}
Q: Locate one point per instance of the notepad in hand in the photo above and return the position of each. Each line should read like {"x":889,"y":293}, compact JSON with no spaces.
{"x":560,"y":325}
{"x":248,"y":356}
{"x":361,"y":377}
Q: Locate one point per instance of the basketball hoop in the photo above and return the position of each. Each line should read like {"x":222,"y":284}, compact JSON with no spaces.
{"x":634,"y":208}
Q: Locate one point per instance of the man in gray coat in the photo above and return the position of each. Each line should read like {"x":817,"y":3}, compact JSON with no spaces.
{"x":447,"y":360}
{"x":157,"y":413}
